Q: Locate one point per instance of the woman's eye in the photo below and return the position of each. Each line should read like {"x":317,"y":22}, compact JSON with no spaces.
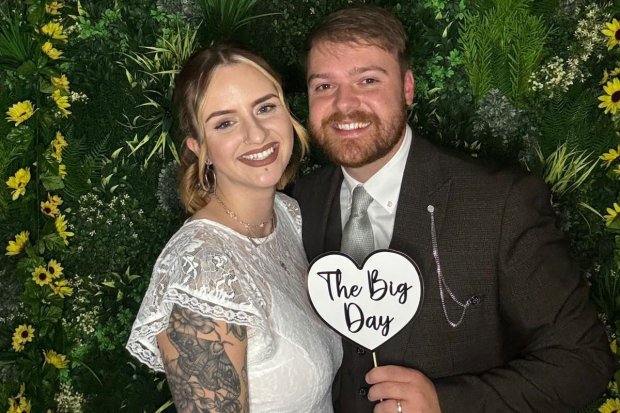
{"x":223,"y":125}
{"x":268,"y":107}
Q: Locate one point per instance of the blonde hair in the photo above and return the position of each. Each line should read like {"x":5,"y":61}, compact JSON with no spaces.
{"x":189,"y":96}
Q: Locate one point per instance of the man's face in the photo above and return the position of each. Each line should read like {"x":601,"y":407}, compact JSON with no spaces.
{"x":357,"y":97}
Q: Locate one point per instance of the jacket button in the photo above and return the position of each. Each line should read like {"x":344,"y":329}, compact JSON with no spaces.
{"x":363,"y":391}
{"x":360,"y":351}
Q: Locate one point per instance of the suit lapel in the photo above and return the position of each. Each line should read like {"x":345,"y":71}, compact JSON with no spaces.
{"x":323,"y":215}
{"x":424,"y":184}
{"x":333,"y":230}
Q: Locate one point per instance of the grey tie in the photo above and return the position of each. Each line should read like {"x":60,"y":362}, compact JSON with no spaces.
{"x":357,"y":237}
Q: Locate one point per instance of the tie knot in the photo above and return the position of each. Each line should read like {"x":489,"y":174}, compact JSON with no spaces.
{"x":360,"y":200}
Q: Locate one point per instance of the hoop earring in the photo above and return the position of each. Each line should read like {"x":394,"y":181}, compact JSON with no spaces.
{"x":210,"y":178}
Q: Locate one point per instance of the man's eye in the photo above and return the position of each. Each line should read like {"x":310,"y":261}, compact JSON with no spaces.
{"x":223,"y":125}
{"x":268,"y":107}
{"x":369,"y":81}
{"x":323,"y":87}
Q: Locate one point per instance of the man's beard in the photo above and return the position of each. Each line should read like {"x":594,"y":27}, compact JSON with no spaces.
{"x":357,"y":152}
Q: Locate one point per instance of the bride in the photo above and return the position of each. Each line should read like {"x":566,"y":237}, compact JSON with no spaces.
{"x":226,"y":315}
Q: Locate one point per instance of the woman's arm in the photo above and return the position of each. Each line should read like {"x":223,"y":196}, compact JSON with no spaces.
{"x":205,"y":363}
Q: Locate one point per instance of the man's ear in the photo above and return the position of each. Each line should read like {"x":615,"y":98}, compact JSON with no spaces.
{"x":193,"y":145}
{"x":409,"y":87}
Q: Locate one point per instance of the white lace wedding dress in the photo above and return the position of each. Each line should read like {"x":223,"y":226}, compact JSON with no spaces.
{"x":221,"y":274}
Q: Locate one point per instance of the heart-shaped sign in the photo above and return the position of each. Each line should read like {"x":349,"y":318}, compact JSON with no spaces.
{"x":368,"y":305}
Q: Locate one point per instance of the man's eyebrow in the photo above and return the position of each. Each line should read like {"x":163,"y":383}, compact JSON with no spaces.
{"x":228,"y":111}
{"x":363,"y":69}
{"x":355,"y":71}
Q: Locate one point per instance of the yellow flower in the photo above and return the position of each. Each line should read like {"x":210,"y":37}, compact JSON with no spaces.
{"x":610,"y":405}
{"x":40,"y":276}
{"x":61,"y":227}
{"x":19,"y":403}
{"x":20,"y":112}
{"x":62,"y":289}
{"x":16,"y":247}
{"x":54,"y":269}
{"x":53,"y":7}
{"x":62,"y":170}
{"x":610,"y":101}
{"x":613,"y":346}
{"x":63,"y":83}
{"x":23,"y":334}
{"x":605,"y":77}
{"x":57,"y":360}
{"x":57,"y":152}
{"x":18,"y":182}
{"x":55,"y":31}
{"x":62,"y":102}
{"x":613,"y":32}
{"x":60,"y":141}
{"x":50,"y":51}
{"x":17,"y":345}
{"x":610,"y":156}
{"x":612,"y":214}
{"x":55,"y":199}
{"x":49,"y":209}
{"x":58,"y":144}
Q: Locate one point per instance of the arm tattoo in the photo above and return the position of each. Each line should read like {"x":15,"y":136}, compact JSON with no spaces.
{"x":237,"y":330}
{"x":203,"y":378}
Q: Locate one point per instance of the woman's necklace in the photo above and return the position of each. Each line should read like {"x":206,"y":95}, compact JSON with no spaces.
{"x":250,"y":228}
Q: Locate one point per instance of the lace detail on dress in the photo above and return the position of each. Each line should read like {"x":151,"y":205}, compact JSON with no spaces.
{"x":196,"y":270}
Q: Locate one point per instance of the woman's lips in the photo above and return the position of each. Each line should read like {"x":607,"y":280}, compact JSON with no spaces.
{"x":261,"y":156}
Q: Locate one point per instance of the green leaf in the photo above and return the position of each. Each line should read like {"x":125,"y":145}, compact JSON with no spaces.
{"x":8,"y":357}
{"x":52,"y":182}
{"x":26,"y":265}
{"x":53,"y":242}
{"x":27,"y":68}
{"x":20,"y":137}
{"x":51,"y":314}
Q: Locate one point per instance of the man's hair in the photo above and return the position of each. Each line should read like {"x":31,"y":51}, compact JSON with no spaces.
{"x":365,"y":26}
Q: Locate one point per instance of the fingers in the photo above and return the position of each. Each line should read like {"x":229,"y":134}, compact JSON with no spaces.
{"x":387,"y":390}
{"x":393,"y":374}
{"x":389,"y":406}
{"x":393,"y":384}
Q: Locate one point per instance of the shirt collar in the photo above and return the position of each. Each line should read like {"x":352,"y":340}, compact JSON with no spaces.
{"x":384,"y":186}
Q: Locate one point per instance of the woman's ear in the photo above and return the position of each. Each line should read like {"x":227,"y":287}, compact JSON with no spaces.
{"x":193,"y":145}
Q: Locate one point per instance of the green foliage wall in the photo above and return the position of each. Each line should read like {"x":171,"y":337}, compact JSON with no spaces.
{"x":511,"y":81}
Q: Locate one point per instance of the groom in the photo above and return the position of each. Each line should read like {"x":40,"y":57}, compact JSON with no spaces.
{"x":505,"y":324}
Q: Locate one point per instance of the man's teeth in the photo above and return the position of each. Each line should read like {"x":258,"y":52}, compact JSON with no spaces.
{"x":259,"y":156}
{"x":351,"y":126}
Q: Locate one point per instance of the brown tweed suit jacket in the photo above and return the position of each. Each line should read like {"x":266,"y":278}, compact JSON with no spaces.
{"x":530,"y":343}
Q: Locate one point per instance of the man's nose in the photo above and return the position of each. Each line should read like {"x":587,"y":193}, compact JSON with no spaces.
{"x":346,"y":99}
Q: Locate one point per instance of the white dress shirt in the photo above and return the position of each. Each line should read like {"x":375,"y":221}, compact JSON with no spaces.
{"x":384,"y":187}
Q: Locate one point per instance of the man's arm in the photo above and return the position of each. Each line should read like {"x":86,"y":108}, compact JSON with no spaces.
{"x":564,"y":360}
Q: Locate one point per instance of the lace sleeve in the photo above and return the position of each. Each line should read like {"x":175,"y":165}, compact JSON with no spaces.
{"x":197,"y":272}
{"x":292,"y":210}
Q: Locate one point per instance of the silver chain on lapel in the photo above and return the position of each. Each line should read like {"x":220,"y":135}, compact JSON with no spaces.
{"x":441,"y":280}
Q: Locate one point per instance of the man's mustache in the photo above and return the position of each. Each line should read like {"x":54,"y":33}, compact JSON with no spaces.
{"x":355,"y":116}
